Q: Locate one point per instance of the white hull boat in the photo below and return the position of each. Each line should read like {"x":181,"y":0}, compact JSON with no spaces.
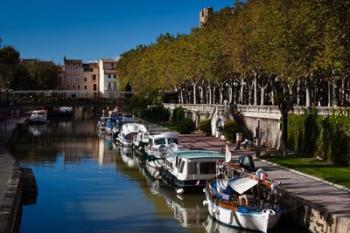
{"x":261,"y":221}
{"x":38,"y":117}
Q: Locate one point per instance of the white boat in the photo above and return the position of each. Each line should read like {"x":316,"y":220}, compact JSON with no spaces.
{"x":158,"y":147}
{"x":158,"y":143}
{"x":190,"y":169}
{"x":139,"y":141}
{"x":234,"y":202}
{"x":38,"y":116}
{"x":128,"y":131}
{"x":102,"y":123}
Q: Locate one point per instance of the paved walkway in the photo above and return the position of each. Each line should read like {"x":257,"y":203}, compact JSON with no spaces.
{"x":7,"y":171}
{"x":331,"y":199}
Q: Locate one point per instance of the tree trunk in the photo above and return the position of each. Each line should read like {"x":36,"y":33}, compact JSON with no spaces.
{"x":230,"y":94}
{"x":221,"y":94}
{"x":262,"y":95}
{"x":241,"y":92}
{"x":334,"y":94}
{"x":308,"y":98}
{"x":194,"y":93}
{"x":272,"y":97}
{"x":181,"y":96}
{"x":255,"y":85}
{"x":298,"y":93}
{"x":210,"y":95}
{"x":329,"y":92}
{"x":214,"y":95}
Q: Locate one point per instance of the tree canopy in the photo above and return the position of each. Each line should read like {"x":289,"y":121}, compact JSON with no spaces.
{"x":290,"y":41}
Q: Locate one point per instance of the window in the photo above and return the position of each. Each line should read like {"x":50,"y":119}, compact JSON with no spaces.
{"x":109,"y":86}
{"x":192,"y":168}
{"x":207,"y":168}
{"x":182,"y":166}
{"x":114,"y":76}
{"x":95,"y":87}
{"x":172,"y":140}
{"x":85,"y":87}
{"x":68,"y":87}
{"x":94,"y":77}
{"x":85,"y":79}
{"x":160,"y":141}
{"x":109,"y":76}
{"x":78,"y":87}
{"x":73,"y":87}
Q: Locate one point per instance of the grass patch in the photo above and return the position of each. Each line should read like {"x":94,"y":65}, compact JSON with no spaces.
{"x":167,"y":124}
{"x":314,"y":167}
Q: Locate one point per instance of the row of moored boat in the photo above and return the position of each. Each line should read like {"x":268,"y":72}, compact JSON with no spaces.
{"x":235,"y":194}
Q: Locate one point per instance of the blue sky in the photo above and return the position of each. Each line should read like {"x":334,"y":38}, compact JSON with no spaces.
{"x":86,"y":29}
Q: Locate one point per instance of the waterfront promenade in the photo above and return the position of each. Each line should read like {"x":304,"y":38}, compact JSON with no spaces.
{"x":324,"y":203}
{"x":10,"y":181}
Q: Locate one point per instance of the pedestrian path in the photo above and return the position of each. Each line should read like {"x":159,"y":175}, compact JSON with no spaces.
{"x":7,"y":172}
{"x":333,"y":201}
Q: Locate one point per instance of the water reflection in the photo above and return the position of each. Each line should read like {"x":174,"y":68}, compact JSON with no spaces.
{"x":87,"y":184}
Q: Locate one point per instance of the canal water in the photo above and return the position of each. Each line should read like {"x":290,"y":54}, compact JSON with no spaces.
{"x":86,"y":184}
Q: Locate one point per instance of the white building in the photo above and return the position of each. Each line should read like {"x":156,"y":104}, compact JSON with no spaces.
{"x":108,"y":79}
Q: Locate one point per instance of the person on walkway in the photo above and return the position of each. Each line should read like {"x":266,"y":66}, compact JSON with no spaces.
{"x":244,"y":143}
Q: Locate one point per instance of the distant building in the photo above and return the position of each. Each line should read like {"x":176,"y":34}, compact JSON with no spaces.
{"x":204,"y":15}
{"x":108,"y":78}
{"x":91,"y":79}
{"x":73,"y":76}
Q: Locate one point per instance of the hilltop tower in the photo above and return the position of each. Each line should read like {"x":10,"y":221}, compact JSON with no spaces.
{"x":204,"y":15}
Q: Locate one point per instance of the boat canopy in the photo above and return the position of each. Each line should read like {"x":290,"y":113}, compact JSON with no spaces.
{"x":133,"y":128}
{"x":243,"y":184}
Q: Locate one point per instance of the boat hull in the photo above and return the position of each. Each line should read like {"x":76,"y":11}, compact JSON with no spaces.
{"x":187,"y":185}
{"x":257,"y":221}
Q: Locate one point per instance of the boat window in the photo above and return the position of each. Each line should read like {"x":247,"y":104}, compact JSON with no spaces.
{"x":192,"y":168}
{"x":160,"y":141}
{"x":169,"y":164}
{"x":173,"y":140}
{"x":208,"y":168}
{"x":182,"y":166}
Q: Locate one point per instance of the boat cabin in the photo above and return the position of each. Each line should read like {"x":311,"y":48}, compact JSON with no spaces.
{"x":191,"y":167}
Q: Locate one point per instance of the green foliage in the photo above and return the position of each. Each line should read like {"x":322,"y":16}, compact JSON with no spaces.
{"x":9,"y":60}
{"x":178,"y":115}
{"x":186,"y":126}
{"x":326,"y":137}
{"x":155,"y":113}
{"x":205,"y":126}
{"x":230,"y":129}
{"x":135,"y":104}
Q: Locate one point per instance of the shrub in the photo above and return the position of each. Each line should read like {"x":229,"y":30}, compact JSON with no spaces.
{"x":205,"y":127}
{"x":186,"y":126}
{"x":178,"y":115}
{"x":326,"y":137}
{"x":155,"y":113}
{"x":230,"y":129}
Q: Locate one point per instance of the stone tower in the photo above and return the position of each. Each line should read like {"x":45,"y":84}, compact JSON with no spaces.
{"x":204,"y":15}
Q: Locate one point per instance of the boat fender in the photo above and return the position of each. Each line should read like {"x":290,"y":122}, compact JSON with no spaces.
{"x":269,"y":211}
{"x":215,"y":210}
{"x":205,"y":203}
{"x":243,"y":200}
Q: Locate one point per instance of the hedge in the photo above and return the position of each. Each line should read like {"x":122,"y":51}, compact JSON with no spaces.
{"x":325,"y":137}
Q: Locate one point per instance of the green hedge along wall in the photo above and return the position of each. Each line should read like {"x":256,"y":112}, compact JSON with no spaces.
{"x":325,"y":137}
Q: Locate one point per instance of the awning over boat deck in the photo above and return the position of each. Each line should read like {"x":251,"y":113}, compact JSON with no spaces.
{"x":242,"y":185}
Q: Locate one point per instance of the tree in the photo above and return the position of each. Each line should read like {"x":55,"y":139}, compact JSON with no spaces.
{"x":9,"y":60}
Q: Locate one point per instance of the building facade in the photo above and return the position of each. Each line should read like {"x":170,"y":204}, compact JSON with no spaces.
{"x":73,"y":76}
{"x":108,"y":84}
{"x":91,"y":79}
